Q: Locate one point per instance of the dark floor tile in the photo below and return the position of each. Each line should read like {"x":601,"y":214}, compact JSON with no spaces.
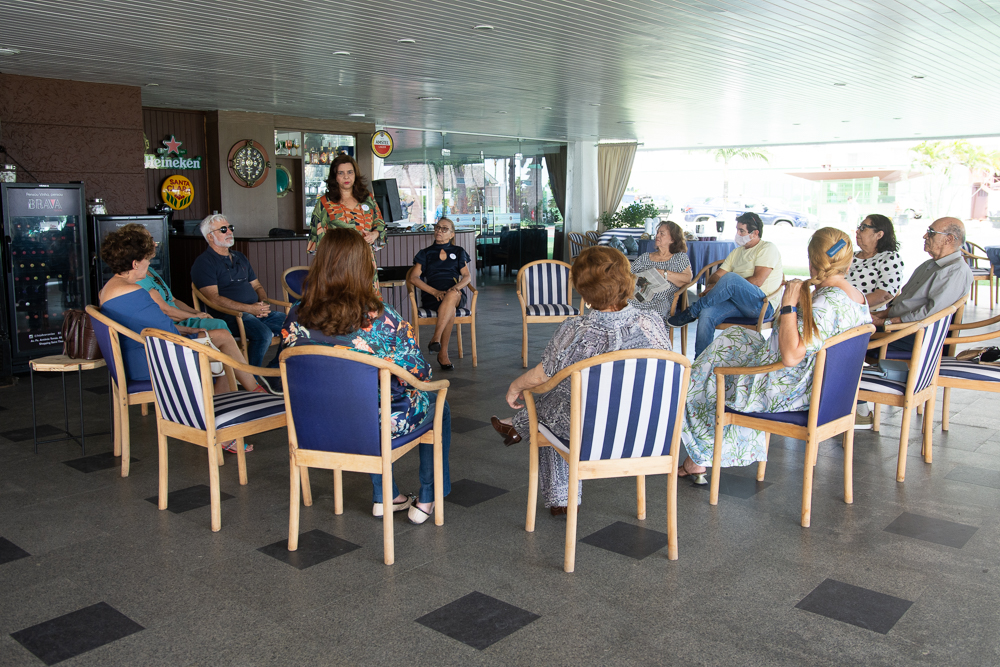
{"x":465,"y":424}
{"x":2,"y":408}
{"x":45,"y":431}
{"x":929,"y":529}
{"x":978,"y":476}
{"x":105,"y":461}
{"x":855,"y":605}
{"x":190,"y":498}
{"x":101,"y":389}
{"x":10,"y":551}
{"x":468,"y":492}
{"x":315,"y":547}
{"x":738,"y":486}
{"x":455,"y":383}
{"x":478,"y":620}
{"x":628,"y":540}
{"x":75,"y":633}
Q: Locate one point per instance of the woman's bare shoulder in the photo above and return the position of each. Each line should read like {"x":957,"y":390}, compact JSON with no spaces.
{"x":117,"y":288}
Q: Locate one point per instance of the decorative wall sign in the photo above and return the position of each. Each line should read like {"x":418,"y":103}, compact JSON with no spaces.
{"x":177,"y":191}
{"x":162,"y":159}
{"x":248,"y":163}
{"x":382,"y":144}
{"x":283,"y":178}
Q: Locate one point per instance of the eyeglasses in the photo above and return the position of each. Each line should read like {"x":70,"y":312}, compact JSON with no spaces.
{"x":862,"y":227}
{"x":224,"y":228}
{"x":442,"y":228}
{"x":932,"y":232}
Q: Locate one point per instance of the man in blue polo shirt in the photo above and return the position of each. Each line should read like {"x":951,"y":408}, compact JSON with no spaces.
{"x":226,"y":277}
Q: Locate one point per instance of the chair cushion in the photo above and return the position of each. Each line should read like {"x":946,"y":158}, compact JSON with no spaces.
{"x":139,"y":386}
{"x":240,"y":407}
{"x":881,"y":385}
{"x":796,"y":417}
{"x":416,"y":433}
{"x":980,"y":273}
{"x":967,"y":370}
{"x":459,"y":312}
{"x":898,"y":354}
{"x":549,"y":310}
{"x":746,"y":321}
{"x":553,"y":438}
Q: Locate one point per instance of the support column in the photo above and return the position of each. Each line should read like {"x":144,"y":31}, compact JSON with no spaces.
{"x":581,"y":188}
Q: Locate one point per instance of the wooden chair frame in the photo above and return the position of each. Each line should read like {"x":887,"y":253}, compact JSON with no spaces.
{"x":459,"y":321}
{"x":286,"y":290}
{"x":974,"y":260}
{"x":910,"y":399}
{"x":537,"y":319}
{"x":949,"y":383}
{"x":120,"y":398}
{"x":303,"y":459}
{"x":594,"y":237}
{"x":210,"y":438}
{"x":198,"y":297}
{"x":812,"y":433}
{"x":625,"y":467}
{"x":578,"y":242}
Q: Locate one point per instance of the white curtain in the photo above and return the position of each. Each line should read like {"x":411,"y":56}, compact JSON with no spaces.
{"x":614,"y":166}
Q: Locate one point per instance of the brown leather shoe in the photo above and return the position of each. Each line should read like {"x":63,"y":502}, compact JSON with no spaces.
{"x":509,"y":433}
{"x":557,"y":510}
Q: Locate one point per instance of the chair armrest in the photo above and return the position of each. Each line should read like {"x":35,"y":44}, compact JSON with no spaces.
{"x":749,"y":370}
{"x":215,"y":355}
{"x":214,"y":306}
{"x":976,"y":338}
{"x":889,"y":328}
{"x":703,"y":272}
{"x":883,"y":341}
{"x":974,"y":325}
{"x":277,"y":302}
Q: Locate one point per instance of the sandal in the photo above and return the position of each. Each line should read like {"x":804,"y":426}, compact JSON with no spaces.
{"x":231,"y":447}
{"x":697,"y":478}
{"x":396,"y":507}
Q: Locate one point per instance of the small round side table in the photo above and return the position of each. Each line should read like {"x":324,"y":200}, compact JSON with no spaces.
{"x":60,"y":363}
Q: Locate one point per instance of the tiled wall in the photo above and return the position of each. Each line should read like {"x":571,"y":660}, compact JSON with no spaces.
{"x":64,"y":131}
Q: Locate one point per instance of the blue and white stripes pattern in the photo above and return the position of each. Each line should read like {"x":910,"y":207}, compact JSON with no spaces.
{"x":969,"y":370}
{"x":629,"y":409}
{"x":606,"y":237}
{"x":550,"y":310}
{"x":459,"y":312}
{"x":240,"y":407}
{"x":934,"y":336}
{"x":546,"y":283}
{"x":174,"y":372}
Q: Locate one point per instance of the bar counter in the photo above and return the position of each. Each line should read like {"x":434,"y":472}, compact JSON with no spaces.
{"x":269,"y":258}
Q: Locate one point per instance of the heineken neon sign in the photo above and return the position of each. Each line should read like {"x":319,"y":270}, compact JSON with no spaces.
{"x":162,"y":159}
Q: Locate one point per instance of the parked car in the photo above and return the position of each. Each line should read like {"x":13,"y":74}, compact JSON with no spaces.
{"x":712,"y":208}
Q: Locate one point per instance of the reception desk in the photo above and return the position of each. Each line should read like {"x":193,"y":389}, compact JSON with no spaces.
{"x":269,"y":258}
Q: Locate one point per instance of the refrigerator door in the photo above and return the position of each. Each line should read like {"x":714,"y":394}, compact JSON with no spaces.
{"x":102,"y":225}
{"x":45,"y":262}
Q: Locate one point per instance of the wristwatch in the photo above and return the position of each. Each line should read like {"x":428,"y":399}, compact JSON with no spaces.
{"x":785,"y":310}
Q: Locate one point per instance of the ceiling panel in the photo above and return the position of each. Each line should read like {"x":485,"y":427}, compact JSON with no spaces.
{"x":669,"y":74}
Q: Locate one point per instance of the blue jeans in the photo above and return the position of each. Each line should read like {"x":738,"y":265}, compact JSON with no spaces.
{"x":732,"y":296}
{"x":426,"y":462}
{"x":259,"y":330}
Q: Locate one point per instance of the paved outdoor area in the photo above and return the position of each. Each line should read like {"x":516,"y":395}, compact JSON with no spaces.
{"x":92,"y":573}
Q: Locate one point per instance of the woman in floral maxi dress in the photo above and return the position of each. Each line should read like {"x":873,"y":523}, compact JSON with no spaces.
{"x":833,"y":308}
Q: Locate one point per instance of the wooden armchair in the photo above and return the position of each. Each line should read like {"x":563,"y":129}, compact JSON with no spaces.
{"x":979,"y":272}
{"x":199,"y":298}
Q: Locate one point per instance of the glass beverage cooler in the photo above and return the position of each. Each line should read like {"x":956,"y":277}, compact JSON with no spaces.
{"x":318,"y":151}
{"x":45,"y":264}
{"x":101,"y":225}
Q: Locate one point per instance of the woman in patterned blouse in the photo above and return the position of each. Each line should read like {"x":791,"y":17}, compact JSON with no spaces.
{"x":877,"y":269}
{"x":339,"y":307}
{"x":671,"y":260}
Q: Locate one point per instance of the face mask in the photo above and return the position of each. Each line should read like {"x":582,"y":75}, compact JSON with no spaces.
{"x":741,"y":241}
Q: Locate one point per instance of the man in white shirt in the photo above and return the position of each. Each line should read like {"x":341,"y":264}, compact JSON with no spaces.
{"x":740,"y":286}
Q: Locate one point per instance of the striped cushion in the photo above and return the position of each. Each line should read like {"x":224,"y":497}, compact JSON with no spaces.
{"x":546,"y":283}
{"x":629,"y":409}
{"x":881,"y":385}
{"x":934,"y":336}
{"x":983,"y":273}
{"x":550,"y":310}
{"x":459,"y":312}
{"x":606,"y":237}
{"x":968,"y":370}
{"x":240,"y":407}
{"x":173,"y":370}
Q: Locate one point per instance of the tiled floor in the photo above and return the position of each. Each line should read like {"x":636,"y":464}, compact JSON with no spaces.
{"x":92,"y":573}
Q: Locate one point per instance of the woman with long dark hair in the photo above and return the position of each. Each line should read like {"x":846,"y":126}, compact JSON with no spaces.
{"x":347,"y":203}
{"x":877,"y":269}
{"x":341,"y":307}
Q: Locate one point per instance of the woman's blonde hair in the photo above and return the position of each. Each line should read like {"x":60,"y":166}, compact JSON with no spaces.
{"x":823,"y":265}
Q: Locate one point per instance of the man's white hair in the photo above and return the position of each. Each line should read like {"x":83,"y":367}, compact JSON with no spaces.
{"x":206,"y":225}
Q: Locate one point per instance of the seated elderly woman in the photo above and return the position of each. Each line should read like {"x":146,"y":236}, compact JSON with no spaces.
{"x":341,"y":307}
{"x":441,"y":272}
{"x":601,"y":275}
{"x":833,"y":308}
{"x":877,"y":269}
{"x":127,"y":252}
{"x":670,"y":259}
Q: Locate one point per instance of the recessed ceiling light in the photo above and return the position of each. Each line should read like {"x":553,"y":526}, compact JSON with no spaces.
{"x":563,"y":136}
{"x":898,"y":118}
{"x":152,"y":85}
{"x":546,"y":108}
{"x":406,"y":40}
{"x":356,"y":115}
{"x":9,"y":52}
{"x":840,"y":84}
{"x":501,"y":112}
{"x":483,"y":26}
{"x":917,"y":76}
{"x":626,"y":122}
{"x":796,"y":123}
{"x":845,"y":121}
{"x":429,"y":99}
{"x":341,"y":53}
{"x":916,"y":134}
{"x":836,"y":137}
{"x":595,"y":104}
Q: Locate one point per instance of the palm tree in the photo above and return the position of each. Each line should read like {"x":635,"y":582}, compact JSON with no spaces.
{"x":727,"y":155}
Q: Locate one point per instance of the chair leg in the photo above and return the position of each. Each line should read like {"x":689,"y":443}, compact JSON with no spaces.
{"x":222,"y":452}
{"x":849,"y":466}
{"x":438,"y":481}
{"x":684,"y":339}
{"x":572,"y":510}
{"x":116,"y":401}
{"x":161,"y":445}
{"x":338,"y":491}
{"x":389,"y":548}
{"x":640,"y":497}
{"x":762,"y":465}
{"x":529,"y":522}
{"x":213,"y":487}
{"x":144,"y":409}
{"x":524,"y":343}
{"x":925,"y":448}
{"x":475,"y":357}
{"x":945,"y":406}
{"x":672,"y":513}
{"x":458,"y":330}
{"x":807,"y":481}
{"x":904,"y":441}
{"x":293,"y":507}
{"x":713,"y":493}
{"x":125,"y":437}
{"x":307,"y":494}
{"x":416,"y":331}
{"x":241,"y":461}
{"x":876,"y":417}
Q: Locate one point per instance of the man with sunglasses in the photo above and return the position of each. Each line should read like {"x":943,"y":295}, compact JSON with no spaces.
{"x":225,"y":276}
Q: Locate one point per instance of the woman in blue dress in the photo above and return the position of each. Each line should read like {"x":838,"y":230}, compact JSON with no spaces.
{"x":341,"y":308}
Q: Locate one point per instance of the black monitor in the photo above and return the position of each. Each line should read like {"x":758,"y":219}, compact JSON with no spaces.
{"x":387,"y":198}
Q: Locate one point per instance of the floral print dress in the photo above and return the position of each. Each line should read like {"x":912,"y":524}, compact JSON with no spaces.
{"x":783,"y":390}
{"x":388,"y":337}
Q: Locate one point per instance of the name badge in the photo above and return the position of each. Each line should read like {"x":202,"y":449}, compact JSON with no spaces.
{"x":364,"y":207}
{"x":452,"y":255}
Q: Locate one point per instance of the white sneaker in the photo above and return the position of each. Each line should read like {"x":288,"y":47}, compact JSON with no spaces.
{"x":864,"y":423}
{"x":396,"y":507}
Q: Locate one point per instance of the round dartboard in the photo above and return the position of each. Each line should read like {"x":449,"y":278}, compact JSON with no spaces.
{"x":248,"y":163}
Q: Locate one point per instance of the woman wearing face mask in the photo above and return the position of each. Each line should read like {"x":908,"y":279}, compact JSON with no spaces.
{"x":877,"y":269}
{"x":671,"y":260}
{"x":441,"y":272}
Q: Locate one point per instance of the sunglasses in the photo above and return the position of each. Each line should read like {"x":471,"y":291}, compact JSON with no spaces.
{"x":862,"y":227}
{"x":932,"y":232}
{"x":225,"y":228}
